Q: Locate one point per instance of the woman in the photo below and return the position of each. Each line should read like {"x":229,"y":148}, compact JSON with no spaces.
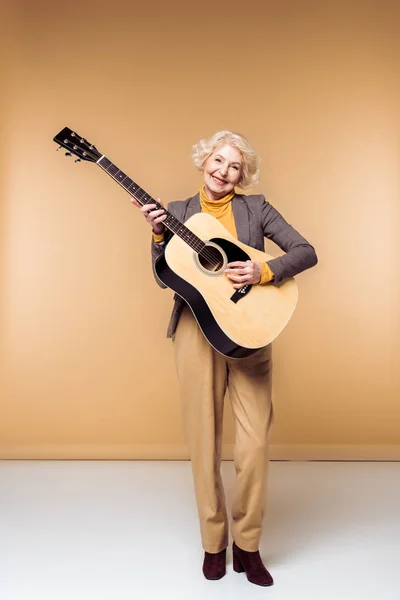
{"x":226,"y":161}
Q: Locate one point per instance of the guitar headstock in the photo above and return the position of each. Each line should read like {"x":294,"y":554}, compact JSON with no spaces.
{"x":75,"y":144}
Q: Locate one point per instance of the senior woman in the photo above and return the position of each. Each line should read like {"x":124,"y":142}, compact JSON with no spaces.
{"x":226,"y":161}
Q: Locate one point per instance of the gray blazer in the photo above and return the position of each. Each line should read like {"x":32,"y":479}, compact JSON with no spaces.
{"x":255,"y":218}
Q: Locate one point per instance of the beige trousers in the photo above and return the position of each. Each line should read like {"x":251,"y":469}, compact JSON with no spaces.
{"x":203,"y":376}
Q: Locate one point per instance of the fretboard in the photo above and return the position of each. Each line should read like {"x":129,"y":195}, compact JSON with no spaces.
{"x":144,"y":198}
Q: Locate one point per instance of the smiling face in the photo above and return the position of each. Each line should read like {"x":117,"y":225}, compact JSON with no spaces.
{"x":222,"y":171}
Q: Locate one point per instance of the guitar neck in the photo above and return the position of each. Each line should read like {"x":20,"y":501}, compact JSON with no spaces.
{"x":171,"y":222}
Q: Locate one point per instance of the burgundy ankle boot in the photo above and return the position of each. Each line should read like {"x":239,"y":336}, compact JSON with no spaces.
{"x":252,"y":565}
{"x":214,"y":565}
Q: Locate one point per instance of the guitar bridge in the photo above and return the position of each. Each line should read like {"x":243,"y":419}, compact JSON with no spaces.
{"x":241,"y":293}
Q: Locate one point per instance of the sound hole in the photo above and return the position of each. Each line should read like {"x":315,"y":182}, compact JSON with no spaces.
{"x":211,"y":258}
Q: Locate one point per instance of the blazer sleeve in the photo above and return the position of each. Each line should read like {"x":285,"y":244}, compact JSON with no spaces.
{"x":157,"y":250}
{"x":299,"y":254}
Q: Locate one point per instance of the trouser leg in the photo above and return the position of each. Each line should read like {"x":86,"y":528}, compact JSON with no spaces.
{"x":249,"y":382}
{"x":202,"y":375}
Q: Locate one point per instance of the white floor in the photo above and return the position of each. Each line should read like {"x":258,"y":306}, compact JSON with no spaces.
{"x":128,"y":530}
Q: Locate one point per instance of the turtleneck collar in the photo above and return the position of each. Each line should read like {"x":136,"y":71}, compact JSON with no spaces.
{"x":205,"y":200}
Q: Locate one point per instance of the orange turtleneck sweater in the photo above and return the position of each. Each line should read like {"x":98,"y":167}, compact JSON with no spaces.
{"x":222,"y":210}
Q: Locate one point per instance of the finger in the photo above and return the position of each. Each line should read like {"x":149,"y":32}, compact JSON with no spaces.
{"x":237,"y":263}
{"x":242,"y":279}
{"x":153,"y":207}
{"x":238,"y":271}
{"x":237,"y":286}
{"x":148,"y":207}
{"x":159,"y":220}
{"x":153,"y":214}
{"x":135,"y":202}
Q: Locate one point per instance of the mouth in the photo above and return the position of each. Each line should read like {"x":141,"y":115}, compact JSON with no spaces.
{"x":218,"y":181}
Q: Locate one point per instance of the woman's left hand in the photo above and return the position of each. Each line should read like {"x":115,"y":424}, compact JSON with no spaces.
{"x":243,"y":273}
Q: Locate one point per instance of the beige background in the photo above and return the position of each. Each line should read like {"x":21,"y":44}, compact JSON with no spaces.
{"x":86,"y":370}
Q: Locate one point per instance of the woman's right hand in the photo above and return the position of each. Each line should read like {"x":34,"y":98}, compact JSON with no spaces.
{"x":154,"y":218}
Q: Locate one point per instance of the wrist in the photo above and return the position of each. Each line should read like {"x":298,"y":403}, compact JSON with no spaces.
{"x":159,"y":230}
{"x":267,"y":274}
{"x":158,"y":238}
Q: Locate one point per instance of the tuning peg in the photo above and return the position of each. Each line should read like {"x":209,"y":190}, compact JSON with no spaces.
{"x":78,"y":160}
{"x":68,"y":154}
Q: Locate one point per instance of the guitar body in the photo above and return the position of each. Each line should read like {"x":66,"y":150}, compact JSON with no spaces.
{"x":235,"y":324}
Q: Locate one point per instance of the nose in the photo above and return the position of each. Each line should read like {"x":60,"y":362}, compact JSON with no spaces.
{"x":223,"y":170}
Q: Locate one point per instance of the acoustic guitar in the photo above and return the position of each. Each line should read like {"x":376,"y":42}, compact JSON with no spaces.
{"x":236,"y":323}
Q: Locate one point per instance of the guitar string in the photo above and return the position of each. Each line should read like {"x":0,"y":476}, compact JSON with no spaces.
{"x":181,"y":227}
{"x":204,"y":252}
{"x":209,"y":255}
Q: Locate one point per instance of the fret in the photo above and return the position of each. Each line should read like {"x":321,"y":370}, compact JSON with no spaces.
{"x":127,"y":183}
{"x":104,"y":163}
{"x":132,"y":187}
{"x":140,"y":195}
{"x":112,"y":170}
{"x":171,"y":222}
{"x":121,"y":176}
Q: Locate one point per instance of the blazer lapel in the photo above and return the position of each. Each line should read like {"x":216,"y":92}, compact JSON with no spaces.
{"x":193,"y":206}
{"x":241,"y":216}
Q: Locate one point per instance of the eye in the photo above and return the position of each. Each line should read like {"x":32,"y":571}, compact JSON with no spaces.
{"x":218,"y":160}
{"x":235,"y":167}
